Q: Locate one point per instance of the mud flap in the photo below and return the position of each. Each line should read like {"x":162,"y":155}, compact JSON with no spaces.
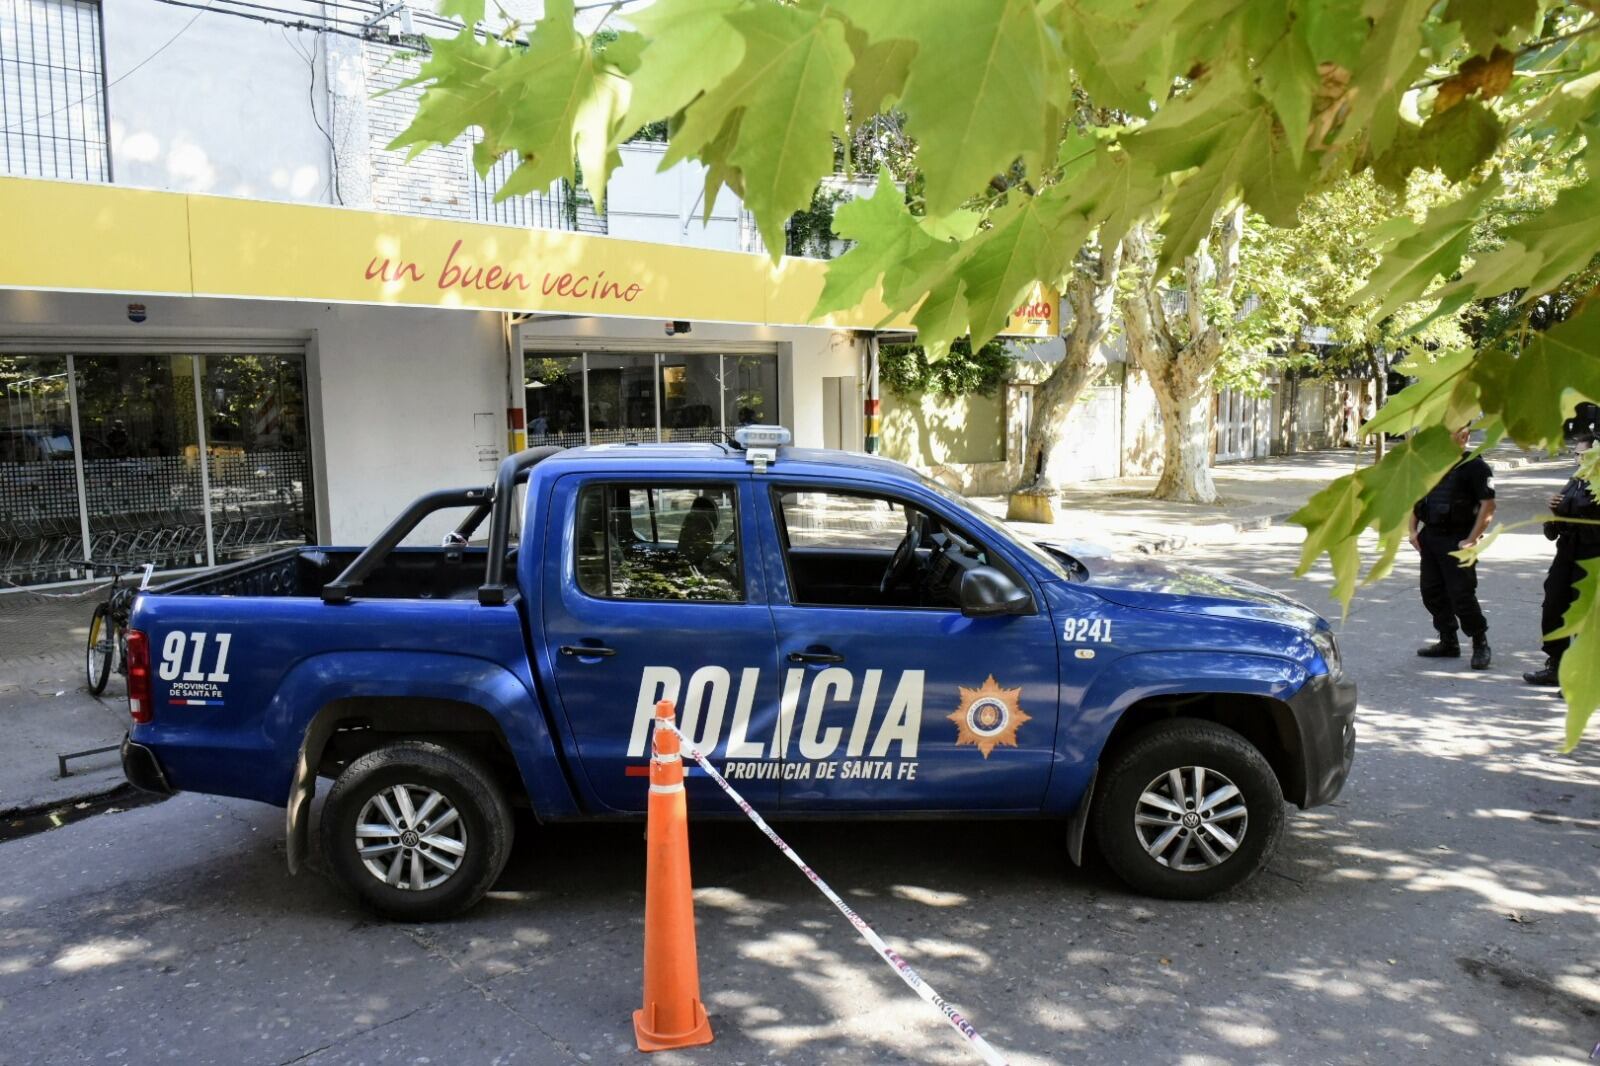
{"x":1078,"y":824}
{"x":302,"y":790}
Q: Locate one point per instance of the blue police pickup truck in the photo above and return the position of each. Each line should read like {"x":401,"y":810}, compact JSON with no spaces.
{"x":845,"y":637}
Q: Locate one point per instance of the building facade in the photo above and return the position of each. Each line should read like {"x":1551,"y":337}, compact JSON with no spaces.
{"x":180,"y":386}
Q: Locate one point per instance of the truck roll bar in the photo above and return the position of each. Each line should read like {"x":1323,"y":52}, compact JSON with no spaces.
{"x":493,"y":501}
{"x":513,"y":469}
{"x":339,"y":589}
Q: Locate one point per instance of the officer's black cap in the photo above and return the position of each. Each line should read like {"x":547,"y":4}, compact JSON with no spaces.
{"x":1584,"y":425}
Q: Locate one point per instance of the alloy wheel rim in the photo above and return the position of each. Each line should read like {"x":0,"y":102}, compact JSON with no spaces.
{"x":411,"y":837}
{"x":1191,"y":818}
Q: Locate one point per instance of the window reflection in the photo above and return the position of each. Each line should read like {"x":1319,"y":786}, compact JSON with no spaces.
{"x":40,"y":531}
{"x":554,"y":400}
{"x":690,"y":397}
{"x":622,"y":397}
{"x":258,"y":457}
{"x":645,"y":396}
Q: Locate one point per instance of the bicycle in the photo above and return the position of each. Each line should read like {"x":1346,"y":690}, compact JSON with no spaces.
{"x":108,"y":629}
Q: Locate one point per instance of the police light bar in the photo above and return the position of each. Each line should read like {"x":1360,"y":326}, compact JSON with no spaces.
{"x":761,"y":444}
{"x":762,"y":436}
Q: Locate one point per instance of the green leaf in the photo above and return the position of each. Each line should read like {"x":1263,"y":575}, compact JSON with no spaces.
{"x":1405,"y":475}
{"x":1390,"y":60}
{"x":544,"y":89}
{"x":1332,"y":519}
{"x":690,"y":47}
{"x":1442,"y":391}
{"x":789,"y":85}
{"x":1454,"y":142}
{"x":1421,"y":252}
{"x":1228,"y":134}
{"x":941,"y":317}
{"x":1541,"y":252}
{"x":1555,"y":362}
{"x":1028,"y":240}
{"x":886,"y":236}
{"x":1486,"y":23}
{"x":878,"y":76}
{"x":1095,"y":38}
{"x":1580,"y":667}
{"x":1115,"y":194}
{"x":1289,"y":80}
{"x":979,"y":86}
{"x":1336,"y":31}
{"x":457,"y":95}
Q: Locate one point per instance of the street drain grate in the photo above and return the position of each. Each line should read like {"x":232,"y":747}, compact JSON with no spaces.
{"x":25,"y":823}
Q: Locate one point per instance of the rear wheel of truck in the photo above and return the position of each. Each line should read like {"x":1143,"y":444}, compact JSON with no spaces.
{"x":1187,"y":809}
{"x":419,"y":831}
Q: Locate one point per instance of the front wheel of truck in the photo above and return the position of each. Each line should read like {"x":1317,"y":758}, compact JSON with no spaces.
{"x":1187,"y":809}
{"x":417,"y":830}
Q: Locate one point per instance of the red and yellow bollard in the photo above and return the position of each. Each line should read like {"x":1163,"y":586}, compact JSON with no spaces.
{"x":672,"y":1015}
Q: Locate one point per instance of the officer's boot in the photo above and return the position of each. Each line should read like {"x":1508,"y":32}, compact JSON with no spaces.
{"x":1446,"y":647}
{"x":1548,"y":675}
{"x":1480,"y":652}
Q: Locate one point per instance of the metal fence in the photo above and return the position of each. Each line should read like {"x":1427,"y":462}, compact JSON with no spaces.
{"x":53,"y":90}
{"x":560,"y":207}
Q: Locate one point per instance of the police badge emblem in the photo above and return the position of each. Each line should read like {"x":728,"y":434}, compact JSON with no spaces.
{"x":988,"y":716}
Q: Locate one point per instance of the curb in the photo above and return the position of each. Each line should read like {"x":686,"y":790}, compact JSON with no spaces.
{"x":1259,"y":522}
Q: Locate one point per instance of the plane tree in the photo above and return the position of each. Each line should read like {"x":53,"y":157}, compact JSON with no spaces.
{"x":1263,"y":103}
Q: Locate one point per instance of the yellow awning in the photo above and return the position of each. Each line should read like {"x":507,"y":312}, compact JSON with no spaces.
{"x":80,"y":237}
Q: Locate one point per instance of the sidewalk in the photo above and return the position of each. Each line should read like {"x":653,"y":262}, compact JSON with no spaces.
{"x":45,"y":710}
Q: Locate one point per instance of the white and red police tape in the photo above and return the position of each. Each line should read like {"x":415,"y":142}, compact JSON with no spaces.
{"x":885,"y":952}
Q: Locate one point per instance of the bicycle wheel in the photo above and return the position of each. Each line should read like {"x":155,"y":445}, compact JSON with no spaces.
{"x":102,"y":649}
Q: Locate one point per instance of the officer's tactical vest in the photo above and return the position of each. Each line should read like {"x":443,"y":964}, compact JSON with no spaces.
{"x":1447,"y":505}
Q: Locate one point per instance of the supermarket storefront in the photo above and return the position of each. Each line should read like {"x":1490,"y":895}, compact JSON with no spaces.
{"x":100,"y":457}
{"x":192,"y":379}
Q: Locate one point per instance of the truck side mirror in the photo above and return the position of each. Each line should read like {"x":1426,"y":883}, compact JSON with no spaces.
{"x":986,"y":590}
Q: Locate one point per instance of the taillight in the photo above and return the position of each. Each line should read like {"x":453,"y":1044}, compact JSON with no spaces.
{"x":140,"y":706}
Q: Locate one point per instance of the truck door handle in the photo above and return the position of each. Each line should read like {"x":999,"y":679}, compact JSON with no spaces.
{"x":816,"y":655}
{"x":587,"y":650}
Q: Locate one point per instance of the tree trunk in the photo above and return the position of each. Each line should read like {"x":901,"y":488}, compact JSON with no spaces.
{"x":1091,"y":292}
{"x":1382,"y":391}
{"x":1186,"y":445}
{"x":1052,"y":404}
{"x":1181,"y":361}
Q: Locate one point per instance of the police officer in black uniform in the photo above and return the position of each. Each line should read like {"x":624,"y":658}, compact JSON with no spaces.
{"x":1574,"y":543}
{"x":1450,"y":517}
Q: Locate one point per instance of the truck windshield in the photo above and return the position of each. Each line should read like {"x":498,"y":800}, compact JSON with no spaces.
{"x":1052,"y":565}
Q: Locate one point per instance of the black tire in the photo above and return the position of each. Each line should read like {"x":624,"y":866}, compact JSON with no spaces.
{"x":100,"y":653}
{"x":483,"y":825}
{"x":1174,"y":745}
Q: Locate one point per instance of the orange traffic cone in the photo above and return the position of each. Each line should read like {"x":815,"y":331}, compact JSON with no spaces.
{"x":673,"y":1015}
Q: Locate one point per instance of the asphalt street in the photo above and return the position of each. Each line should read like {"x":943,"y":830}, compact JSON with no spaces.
{"x":1446,"y":910}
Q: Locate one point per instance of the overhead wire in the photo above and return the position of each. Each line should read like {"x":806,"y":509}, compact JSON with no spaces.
{"x":364,"y":29}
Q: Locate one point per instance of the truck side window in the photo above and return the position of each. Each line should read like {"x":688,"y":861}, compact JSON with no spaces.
{"x":848,"y":549}
{"x":659,"y":542}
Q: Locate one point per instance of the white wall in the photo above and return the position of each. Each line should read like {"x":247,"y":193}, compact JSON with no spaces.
{"x":393,"y":392}
{"x":225,"y":107}
{"x":643,"y":205}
